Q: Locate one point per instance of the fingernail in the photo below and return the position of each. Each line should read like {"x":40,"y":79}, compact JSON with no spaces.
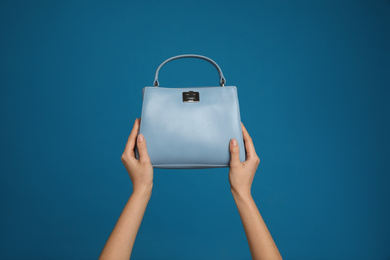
{"x":140,"y":137}
{"x":234,"y":142}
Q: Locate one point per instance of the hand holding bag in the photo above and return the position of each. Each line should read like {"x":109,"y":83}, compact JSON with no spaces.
{"x":190,"y":128}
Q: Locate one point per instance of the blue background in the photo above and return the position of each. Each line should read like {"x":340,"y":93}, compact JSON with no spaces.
{"x":313,"y":82}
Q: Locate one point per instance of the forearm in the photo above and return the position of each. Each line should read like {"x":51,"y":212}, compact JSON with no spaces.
{"x":120,"y":243}
{"x":260,"y":241}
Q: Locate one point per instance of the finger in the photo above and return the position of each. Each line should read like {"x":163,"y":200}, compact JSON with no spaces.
{"x":234,"y":153}
{"x":129,"y":148}
{"x":249,"y":147}
{"x":142,"y":150}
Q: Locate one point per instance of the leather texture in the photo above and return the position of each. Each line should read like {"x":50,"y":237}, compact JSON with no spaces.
{"x":190,"y":134}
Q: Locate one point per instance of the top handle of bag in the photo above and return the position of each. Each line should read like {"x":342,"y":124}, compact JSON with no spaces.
{"x":222,"y":79}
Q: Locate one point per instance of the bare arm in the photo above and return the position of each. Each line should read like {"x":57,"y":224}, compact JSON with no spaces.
{"x":120,"y":243}
{"x":241,"y":174}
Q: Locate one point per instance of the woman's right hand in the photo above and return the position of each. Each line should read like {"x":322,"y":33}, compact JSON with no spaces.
{"x":241,"y":174}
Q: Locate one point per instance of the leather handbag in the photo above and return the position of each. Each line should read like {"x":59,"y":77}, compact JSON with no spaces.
{"x":189,"y":128}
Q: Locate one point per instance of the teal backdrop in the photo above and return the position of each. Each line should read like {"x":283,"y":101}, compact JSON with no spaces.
{"x":313,"y":82}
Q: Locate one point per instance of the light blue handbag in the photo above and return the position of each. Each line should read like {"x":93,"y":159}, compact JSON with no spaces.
{"x":190,"y":127}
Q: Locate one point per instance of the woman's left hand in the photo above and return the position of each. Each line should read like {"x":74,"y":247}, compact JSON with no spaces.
{"x":140,"y":171}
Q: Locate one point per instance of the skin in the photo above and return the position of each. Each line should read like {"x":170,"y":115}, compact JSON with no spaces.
{"x":120,"y":243}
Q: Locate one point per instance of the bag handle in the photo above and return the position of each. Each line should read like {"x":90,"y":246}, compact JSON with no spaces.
{"x":222,"y":79}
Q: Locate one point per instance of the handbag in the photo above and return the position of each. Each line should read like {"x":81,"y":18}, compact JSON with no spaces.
{"x":190,"y":128}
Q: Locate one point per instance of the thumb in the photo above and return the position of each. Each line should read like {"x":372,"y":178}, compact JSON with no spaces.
{"x":234,"y":153}
{"x":141,"y":145}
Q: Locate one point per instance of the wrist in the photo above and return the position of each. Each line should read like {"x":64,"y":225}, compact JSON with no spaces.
{"x":241,"y":193}
{"x":143,"y":191}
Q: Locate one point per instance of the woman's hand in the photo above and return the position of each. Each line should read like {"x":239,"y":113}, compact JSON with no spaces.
{"x":120,"y":243}
{"x":241,"y":174}
{"x":140,"y":171}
